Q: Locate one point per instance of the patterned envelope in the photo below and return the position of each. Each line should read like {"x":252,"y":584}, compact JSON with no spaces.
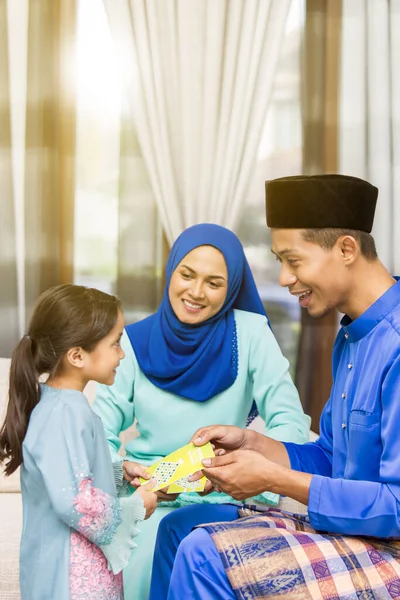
{"x":174,"y":469}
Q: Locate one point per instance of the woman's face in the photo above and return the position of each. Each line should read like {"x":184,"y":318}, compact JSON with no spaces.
{"x":199,"y":285}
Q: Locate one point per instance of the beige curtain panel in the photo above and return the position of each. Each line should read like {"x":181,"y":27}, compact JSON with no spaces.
{"x":198,"y":75}
{"x":37,"y":154}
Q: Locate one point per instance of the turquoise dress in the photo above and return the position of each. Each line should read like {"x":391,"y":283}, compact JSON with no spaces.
{"x":77,"y":534}
{"x":166,"y":421}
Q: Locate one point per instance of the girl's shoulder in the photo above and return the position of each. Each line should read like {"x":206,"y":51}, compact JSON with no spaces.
{"x":56,"y":405}
{"x":61,"y":397}
{"x":55,"y":411}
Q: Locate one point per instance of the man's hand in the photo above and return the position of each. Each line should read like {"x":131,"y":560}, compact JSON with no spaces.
{"x":245,"y":473}
{"x":224,"y":438}
{"x":241,"y":473}
{"x":132,"y":472}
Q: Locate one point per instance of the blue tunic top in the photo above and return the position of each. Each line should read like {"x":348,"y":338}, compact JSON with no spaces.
{"x":356,"y":461}
{"x":77,"y":535}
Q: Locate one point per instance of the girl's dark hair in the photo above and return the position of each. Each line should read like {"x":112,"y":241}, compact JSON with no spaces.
{"x":64,"y":317}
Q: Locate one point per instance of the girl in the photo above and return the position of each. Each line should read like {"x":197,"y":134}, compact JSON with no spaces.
{"x":77,"y":535}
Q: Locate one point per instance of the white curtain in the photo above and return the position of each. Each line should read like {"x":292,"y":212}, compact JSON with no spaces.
{"x":370,"y":112}
{"x":198,"y":75}
{"x":18,"y":16}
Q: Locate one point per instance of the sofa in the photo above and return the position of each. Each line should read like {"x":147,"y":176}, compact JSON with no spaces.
{"x":11,"y":504}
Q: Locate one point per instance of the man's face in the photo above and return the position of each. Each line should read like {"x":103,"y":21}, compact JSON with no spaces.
{"x":318,"y":277}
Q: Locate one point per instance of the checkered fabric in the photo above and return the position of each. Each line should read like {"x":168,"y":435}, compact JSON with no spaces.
{"x":275,"y":553}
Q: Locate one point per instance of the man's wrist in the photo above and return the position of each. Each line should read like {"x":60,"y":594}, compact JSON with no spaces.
{"x":287,"y":482}
{"x":267,"y":446}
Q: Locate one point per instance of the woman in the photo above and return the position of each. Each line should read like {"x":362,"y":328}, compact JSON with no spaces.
{"x":201,"y":359}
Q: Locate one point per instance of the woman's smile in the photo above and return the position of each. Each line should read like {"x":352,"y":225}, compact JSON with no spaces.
{"x":192,"y":307}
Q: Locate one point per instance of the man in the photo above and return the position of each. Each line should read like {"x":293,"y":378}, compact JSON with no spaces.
{"x":349,"y":477}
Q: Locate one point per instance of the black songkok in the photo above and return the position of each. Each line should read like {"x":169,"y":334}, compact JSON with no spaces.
{"x":319,"y":201}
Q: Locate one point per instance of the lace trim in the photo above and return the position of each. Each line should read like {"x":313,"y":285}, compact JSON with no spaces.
{"x":102,"y":512}
{"x":119,"y":550}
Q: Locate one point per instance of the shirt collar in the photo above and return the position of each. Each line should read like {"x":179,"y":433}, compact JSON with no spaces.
{"x":357,"y":329}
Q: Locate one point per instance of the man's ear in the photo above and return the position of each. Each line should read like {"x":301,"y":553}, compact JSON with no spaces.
{"x":75,"y":356}
{"x":349,"y":249}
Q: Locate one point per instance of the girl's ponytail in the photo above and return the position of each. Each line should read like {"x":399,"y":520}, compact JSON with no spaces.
{"x":65,"y":316}
{"x":24,"y":394}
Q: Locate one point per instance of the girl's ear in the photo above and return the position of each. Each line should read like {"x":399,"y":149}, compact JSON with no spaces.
{"x":75,"y":356}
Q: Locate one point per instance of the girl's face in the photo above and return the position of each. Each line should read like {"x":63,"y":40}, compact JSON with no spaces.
{"x":199,"y":285}
{"x":101,"y":364}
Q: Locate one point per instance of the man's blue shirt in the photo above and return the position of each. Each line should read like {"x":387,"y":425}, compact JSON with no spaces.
{"x":356,"y":460}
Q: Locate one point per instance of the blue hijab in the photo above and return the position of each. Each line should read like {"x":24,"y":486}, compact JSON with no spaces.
{"x":197,"y":361}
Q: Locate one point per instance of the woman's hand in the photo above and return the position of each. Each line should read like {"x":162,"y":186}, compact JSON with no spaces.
{"x":132,"y":472}
{"x":149,"y":498}
{"x":164,"y":497}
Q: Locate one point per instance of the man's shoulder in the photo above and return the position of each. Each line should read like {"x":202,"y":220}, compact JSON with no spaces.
{"x":393,"y":318}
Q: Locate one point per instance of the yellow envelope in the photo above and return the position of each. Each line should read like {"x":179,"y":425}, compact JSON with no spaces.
{"x":184,"y":485}
{"x":177,"y":466}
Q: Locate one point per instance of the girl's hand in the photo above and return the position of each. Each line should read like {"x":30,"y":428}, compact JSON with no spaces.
{"x":149,"y":498}
{"x":132,"y":472}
